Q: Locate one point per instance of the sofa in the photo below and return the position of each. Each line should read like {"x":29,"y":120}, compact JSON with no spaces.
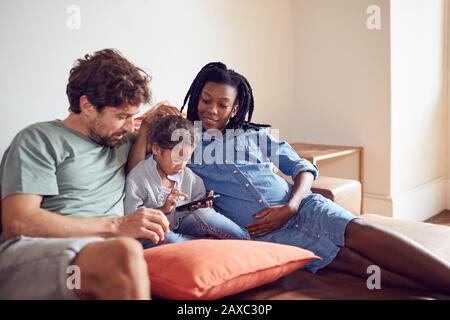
{"x":335,"y":285}
{"x":330,"y":284}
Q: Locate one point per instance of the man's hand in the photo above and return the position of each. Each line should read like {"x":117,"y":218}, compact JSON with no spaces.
{"x":271,"y":219}
{"x":144,"y":223}
{"x":161,"y":109}
{"x":172,"y":200}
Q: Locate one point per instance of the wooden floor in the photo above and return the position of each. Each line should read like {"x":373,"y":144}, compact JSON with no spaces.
{"x":442,"y":219}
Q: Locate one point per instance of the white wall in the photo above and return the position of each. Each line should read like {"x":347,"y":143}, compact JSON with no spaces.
{"x":419,"y":109}
{"x":343,"y":89}
{"x":172,"y":39}
{"x":447,"y":79}
{"x":384,"y":90}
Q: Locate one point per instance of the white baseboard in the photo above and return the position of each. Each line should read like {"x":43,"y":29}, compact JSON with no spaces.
{"x":377,"y":204}
{"x":448,"y":194}
{"x":422,"y":202}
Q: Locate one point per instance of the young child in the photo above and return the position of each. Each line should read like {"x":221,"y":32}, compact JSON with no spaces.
{"x":162,"y":181}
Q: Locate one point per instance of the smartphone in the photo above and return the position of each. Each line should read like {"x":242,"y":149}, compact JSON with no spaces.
{"x":189,"y":206}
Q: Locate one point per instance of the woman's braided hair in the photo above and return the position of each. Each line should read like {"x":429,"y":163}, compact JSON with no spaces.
{"x":218,"y":72}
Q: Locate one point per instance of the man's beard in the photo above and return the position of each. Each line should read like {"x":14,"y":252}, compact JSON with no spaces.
{"x":104,"y":140}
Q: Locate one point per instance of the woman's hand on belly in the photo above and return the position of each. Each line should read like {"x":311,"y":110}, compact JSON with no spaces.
{"x":271,"y":219}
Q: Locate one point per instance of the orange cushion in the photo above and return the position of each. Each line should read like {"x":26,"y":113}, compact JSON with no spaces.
{"x":211,"y":269}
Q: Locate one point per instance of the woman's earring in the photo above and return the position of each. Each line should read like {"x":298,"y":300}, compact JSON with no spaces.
{"x":235,"y":111}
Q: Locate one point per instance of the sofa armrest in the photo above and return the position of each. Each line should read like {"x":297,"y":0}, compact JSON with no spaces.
{"x":345,"y":192}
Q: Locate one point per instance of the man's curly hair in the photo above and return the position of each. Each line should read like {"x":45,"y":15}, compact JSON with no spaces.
{"x":106,"y":78}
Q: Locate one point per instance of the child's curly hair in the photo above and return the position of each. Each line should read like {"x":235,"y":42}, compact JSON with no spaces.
{"x":106,"y":78}
{"x":169,"y":131}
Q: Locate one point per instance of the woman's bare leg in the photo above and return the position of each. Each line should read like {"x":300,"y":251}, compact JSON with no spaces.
{"x":351,"y":262}
{"x":399,"y":254}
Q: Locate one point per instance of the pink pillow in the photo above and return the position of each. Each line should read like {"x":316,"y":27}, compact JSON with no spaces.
{"x":212,"y":269}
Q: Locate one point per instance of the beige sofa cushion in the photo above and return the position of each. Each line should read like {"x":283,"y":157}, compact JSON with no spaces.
{"x":330,"y":284}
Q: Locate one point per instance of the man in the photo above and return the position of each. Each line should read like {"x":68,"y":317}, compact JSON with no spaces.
{"x":62,"y":188}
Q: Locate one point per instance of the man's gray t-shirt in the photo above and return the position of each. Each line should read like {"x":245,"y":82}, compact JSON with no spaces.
{"x":75,"y":175}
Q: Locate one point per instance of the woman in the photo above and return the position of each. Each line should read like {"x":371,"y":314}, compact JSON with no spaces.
{"x":257,"y":199}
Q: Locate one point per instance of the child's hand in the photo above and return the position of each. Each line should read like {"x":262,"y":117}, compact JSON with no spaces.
{"x":208,"y":204}
{"x":172,"y":200}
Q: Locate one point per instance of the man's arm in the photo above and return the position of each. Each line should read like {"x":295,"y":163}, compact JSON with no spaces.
{"x":138,"y":150}
{"x":22,"y":215}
